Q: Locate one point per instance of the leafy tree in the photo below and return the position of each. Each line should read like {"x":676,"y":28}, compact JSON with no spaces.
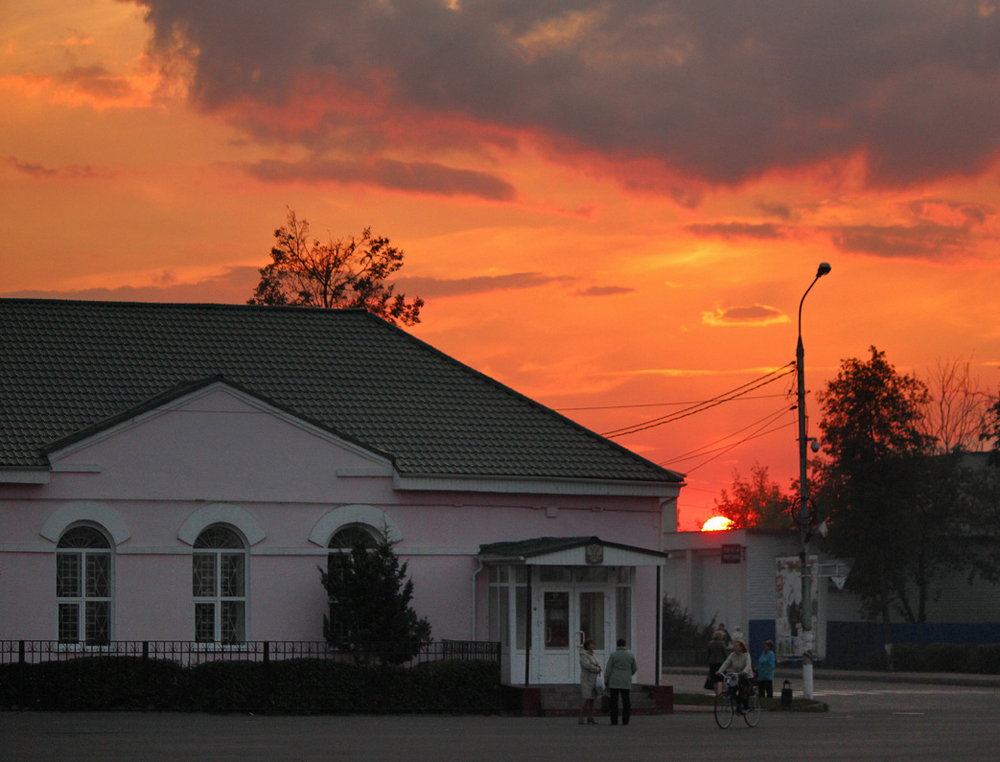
{"x":681,"y":632}
{"x":337,"y":274}
{"x":369,"y":597}
{"x":892,"y":507}
{"x":991,"y":430}
{"x":755,"y":503}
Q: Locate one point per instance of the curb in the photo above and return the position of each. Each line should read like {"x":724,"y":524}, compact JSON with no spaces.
{"x":916,"y":678}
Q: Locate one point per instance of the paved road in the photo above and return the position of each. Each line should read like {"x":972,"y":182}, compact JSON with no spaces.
{"x":866,"y":721}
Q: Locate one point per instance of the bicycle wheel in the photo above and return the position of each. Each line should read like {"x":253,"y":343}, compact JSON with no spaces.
{"x":752,"y":715}
{"x":723,"y":710}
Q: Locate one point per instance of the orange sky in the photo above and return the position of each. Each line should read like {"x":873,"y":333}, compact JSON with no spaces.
{"x":613,"y":207}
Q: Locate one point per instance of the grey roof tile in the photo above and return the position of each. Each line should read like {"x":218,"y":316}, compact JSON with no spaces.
{"x":66,"y":367}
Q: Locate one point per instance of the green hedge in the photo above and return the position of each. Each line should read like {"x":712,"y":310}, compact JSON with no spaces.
{"x":946,"y":657}
{"x":294,"y":686}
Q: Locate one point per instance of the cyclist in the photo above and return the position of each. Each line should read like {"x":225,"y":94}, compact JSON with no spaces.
{"x":739,"y":662}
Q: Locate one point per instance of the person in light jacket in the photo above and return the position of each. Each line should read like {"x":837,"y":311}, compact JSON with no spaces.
{"x":739,"y":662}
{"x":618,"y":677}
{"x":590,"y":670}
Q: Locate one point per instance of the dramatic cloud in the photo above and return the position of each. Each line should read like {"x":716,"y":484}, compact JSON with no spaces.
{"x":757,"y":315}
{"x":416,"y":177}
{"x":714,"y":91}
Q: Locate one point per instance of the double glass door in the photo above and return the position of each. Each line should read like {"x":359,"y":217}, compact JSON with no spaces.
{"x":569,"y":618}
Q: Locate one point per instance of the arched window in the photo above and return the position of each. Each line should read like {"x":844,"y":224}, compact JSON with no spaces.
{"x":343,"y":541}
{"x":219,"y":582}
{"x":83,"y":586}
{"x":352,"y":535}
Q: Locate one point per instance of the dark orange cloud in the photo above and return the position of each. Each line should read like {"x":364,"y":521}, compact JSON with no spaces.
{"x":233,"y":286}
{"x":433,"y":288}
{"x":71,"y":171}
{"x":710,"y":91}
{"x":605,"y":291}
{"x":418,"y":177}
{"x":732,"y":230}
{"x":934,"y":229}
{"x":920,"y":241}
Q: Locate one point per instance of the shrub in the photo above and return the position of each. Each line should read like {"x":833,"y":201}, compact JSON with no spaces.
{"x":293,"y":686}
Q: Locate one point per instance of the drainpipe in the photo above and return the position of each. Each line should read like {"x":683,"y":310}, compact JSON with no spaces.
{"x":475,"y":607}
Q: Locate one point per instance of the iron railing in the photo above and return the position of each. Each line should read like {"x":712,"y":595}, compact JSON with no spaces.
{"x":190,"y":653}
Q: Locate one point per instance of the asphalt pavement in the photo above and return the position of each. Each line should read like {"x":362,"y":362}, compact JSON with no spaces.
{"x":898,"y":716}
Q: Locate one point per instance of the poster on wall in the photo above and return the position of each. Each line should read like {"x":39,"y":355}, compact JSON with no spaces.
{"x":789,"y":640}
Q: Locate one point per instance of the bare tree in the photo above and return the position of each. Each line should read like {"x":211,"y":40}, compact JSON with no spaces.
{"x":956,"y":414}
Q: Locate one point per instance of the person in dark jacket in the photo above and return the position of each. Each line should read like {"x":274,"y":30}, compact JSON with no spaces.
{"x":717,"y":653}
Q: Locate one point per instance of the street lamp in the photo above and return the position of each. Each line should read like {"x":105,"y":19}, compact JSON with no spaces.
{"x":805,"y":513}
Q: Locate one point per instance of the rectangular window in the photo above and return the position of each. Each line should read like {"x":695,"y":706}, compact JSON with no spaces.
{"x":69,"y":622}
{"x":554,"y":574}
{"x":232,"y":621}
{"x":623,"y":613}
{"x":232,"y":575}
{"x":556,"y":620}
{"x":204,"y":575}
{"x":204,"y":622}
{"x":98,"y":575}
{"x":500,"y":615}
{"x":520,"y":616}
{"x":98,"y":623}
{"x":67,"y":575}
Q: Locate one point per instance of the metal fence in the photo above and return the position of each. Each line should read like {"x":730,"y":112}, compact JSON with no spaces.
{"x":190,"y":653}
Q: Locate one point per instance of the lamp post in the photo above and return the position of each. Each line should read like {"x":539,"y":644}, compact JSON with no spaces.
{"x":805,"y":514}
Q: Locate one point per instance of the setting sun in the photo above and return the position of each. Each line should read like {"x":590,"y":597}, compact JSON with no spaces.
{"x":716,"y":523}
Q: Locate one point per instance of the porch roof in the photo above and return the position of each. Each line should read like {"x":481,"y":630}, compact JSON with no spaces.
{"x":569,"y":551}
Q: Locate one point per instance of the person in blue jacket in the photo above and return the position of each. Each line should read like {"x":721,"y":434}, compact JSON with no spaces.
{"x":765,"y":670}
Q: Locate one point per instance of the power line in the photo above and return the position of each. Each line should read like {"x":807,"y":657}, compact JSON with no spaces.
{"x":655,"y":404}
{"x":703,"y":406}
{"x":703,"y":450}
{"x":742,"y":441}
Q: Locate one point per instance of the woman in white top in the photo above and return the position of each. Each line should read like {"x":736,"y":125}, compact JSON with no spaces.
{"x":739,"y":662}
{"x":590,"y":668}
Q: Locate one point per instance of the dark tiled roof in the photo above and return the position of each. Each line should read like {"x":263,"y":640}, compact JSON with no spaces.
{"x":70,"y":366}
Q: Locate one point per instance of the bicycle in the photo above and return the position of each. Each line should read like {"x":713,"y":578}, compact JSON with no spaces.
{"x":727,"y":703}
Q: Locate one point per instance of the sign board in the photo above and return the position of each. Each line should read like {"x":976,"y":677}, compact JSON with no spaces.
{"x":789,"y":637}
{"x":732,"y":554}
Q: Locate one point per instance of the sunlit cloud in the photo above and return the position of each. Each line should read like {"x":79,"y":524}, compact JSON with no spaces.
{"x":753,"y":315}
{"x":93,"y":86}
